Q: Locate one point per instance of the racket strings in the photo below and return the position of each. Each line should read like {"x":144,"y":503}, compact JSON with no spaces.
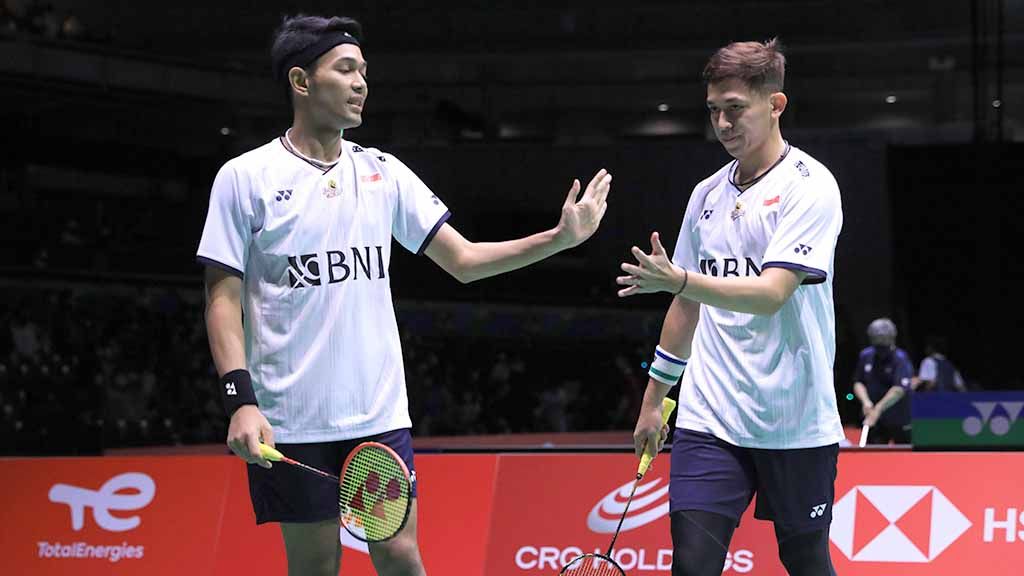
{"x":374,"y":494}
{"x":592,"y":565}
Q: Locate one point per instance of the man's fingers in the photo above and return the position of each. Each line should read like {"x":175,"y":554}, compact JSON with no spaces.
{"x":595,"y":182}
{"x":656,"y":247}
{"x":574,"y":191}
{"x":627,"y":280}
{"x":629,"y":291}
{"x":640,"y":256}
{"x":604,"y":188}
{"x":252,"y":443}
{"x":632,"y":269}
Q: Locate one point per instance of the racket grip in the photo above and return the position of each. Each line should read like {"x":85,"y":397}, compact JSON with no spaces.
{"x":268,"y":452}
{"x":667,"y":406}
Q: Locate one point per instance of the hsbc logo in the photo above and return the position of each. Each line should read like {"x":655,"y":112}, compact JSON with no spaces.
{"x":649,"y":503}
{"x":111,"y":496}
{"x":895,"y":524}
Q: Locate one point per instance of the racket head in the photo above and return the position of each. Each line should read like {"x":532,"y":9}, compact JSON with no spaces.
{"x":592,"y":565}
{"x":374,"y":493}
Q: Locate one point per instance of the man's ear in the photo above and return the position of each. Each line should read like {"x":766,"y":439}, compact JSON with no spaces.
{"x":298,"y":80}
{"x":778,"y":102}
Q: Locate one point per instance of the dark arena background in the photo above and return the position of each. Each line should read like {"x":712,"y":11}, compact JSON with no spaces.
{"x":524,"y":388}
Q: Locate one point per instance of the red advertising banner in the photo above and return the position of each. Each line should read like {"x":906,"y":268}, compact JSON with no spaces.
{"x":104,"y":516}
{"x":896,"y":512}
{"x":551,"y":508}
{"x":929,"y":513}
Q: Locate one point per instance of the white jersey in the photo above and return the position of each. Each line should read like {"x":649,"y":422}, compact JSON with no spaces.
{"x":313,"y":245}
{"x":760,"y":381}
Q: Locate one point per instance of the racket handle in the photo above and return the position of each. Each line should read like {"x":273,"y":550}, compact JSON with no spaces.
{"x":667,"y":406}
{"x":268,"y":452}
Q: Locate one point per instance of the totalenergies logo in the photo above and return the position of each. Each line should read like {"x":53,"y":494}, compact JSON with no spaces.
{"x":895,"y":523}
{"x":111,"y":496}
{"x":649,"y":503}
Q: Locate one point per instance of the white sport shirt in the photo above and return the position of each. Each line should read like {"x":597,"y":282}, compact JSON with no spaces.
{"x":313,"y":244}
{"x":762,"y":381}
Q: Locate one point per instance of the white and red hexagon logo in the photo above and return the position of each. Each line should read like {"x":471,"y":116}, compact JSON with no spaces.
{"x":895,"y":523}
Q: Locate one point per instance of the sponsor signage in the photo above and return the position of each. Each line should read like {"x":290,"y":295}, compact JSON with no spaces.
{"x":896,"y":512}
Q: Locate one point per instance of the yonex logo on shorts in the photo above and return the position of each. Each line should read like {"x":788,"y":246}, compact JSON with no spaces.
{"x":283,"y":195}
{"x":818,"y":510}
{"x":802,"y":249}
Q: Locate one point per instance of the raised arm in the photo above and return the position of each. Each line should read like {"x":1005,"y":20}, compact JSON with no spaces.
{"x":468,"y":261}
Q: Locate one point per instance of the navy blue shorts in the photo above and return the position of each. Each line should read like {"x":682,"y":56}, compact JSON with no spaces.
{"x":286,"y":493}
{"x":795,"y":488}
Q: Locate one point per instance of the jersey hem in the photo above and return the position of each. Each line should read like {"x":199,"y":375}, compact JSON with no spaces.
{"x":433,"y":231}
{"x":216,"y":264}
{"x":815,"y":276}
{"x":336,"y":435}
{"x":814,"y":442}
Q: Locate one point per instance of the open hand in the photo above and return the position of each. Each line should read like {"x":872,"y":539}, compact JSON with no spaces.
{"x":580,"y":218}
{"x":655,"y":272}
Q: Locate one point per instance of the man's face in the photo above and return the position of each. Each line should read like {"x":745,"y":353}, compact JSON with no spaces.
{"x":741,"y":117}
{"x":338,"y":88}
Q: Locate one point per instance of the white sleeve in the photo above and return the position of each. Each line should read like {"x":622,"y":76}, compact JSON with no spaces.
{"x":929,"y":369}
{"x":804,"y":240}
{"x":229,"y":224}
{"x":685,"y":253}
{"x":419,"y":213}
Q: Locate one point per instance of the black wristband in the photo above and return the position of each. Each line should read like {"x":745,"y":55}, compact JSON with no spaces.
{"x":236,"y":391}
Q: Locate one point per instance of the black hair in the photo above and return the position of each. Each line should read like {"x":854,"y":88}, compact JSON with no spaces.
{"x":299,"y":32}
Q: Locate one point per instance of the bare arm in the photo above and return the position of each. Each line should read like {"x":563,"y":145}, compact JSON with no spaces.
{"x":861,"y":392}
{"x":224,"y":320}
{"x":468,"y":261}
{"x":248,"y":426}
{"x":764,"y":294}
{"x":892,"y":396}
{"x":676,"y":337}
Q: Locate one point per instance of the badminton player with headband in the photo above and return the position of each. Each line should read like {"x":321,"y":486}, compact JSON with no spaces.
{"x":752,"y":311}
{"x":298,"y":236}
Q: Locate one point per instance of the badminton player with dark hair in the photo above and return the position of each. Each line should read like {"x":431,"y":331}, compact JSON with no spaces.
{"x":750,"y":332}
{"x":298,"y":236}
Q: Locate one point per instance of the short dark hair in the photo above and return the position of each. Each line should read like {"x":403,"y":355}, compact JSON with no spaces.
{"x":296,"y":33}
{"x":759,"y":65}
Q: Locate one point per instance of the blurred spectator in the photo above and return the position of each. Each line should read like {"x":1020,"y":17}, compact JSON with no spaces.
{"x":882,"y":381}
{"x":937,"y":373}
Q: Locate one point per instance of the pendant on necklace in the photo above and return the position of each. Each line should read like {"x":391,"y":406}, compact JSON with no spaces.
{"x":331,"y":190}
{"x":738,"y":211}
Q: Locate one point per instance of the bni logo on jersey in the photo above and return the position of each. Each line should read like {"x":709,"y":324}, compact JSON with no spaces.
{"x":895,"y":524}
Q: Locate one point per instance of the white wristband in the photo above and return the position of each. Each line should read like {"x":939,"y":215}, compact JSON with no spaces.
{"x":666,"y":368}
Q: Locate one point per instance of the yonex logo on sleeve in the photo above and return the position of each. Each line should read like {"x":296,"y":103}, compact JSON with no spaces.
{"x":802,"y":168}
{"x":229,"y":389}
{"x":283,"y":195}
{"x":802,"y":249}
{"x":706,"y":214}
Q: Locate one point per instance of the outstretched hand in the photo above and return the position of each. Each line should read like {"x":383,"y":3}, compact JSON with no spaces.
{"x":655,"y":272}
{"x":582,"y":215}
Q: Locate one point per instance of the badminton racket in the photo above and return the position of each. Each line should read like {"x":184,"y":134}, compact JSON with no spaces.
{"x":598,"y":564}
{"x":374,"y":490}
